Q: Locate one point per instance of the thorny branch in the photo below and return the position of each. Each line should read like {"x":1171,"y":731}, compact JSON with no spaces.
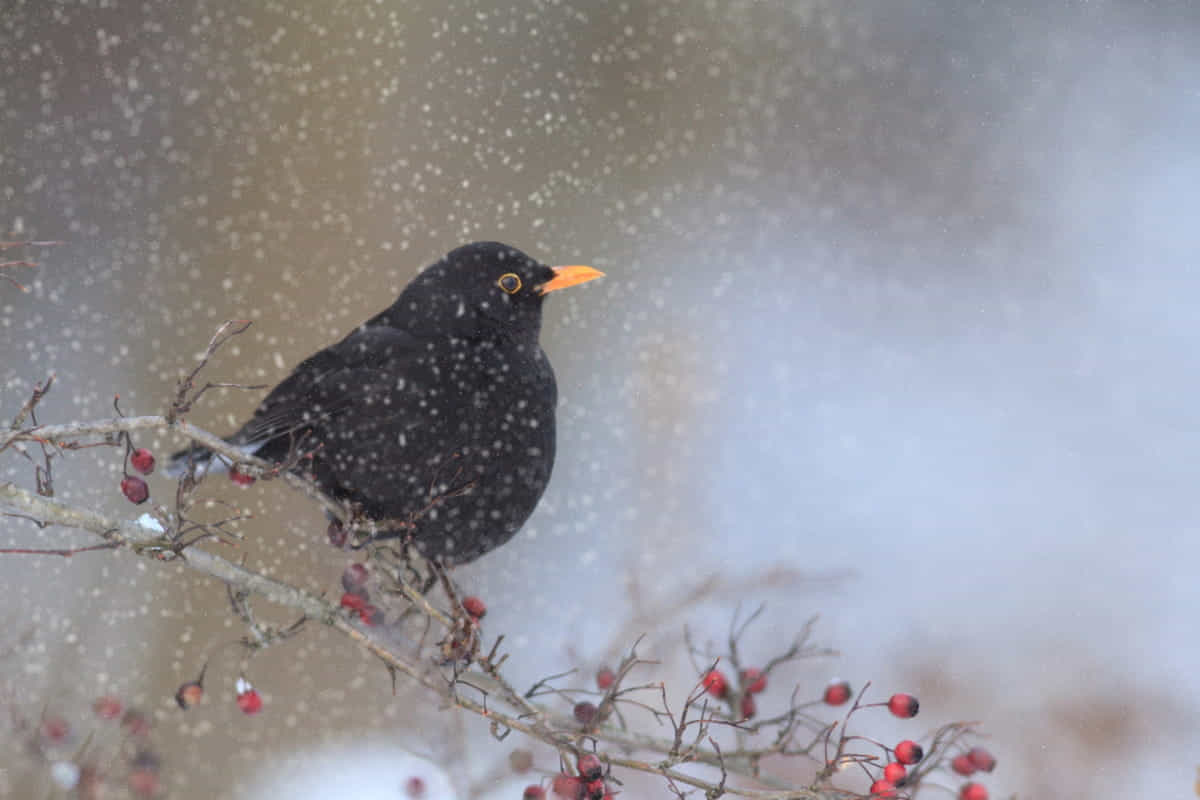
{"x":464,"y":677}
{"x":517,"y":712}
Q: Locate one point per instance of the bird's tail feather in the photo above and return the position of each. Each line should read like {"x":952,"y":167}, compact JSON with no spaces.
{"x":204,"y":460}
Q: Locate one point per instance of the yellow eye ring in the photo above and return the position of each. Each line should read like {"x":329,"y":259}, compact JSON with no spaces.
{"x":510,"y":282}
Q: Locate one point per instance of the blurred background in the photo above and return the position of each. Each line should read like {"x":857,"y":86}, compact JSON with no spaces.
{"x":901,"y":295}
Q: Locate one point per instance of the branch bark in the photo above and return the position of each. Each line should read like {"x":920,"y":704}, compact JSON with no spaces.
{"x":144,"y":536}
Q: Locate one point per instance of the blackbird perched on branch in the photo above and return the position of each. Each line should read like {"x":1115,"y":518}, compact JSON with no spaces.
{"x":434,"y":418}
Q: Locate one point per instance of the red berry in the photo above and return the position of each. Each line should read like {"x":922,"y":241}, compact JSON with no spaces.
{"x":903,"y":705}
{"x":474,"y":606}
{"x":355,"y":577}
{"x":982,"y":758}
{"x":533,"y":792}
{"x":189,"y":695}
{"x":909,"y":752}
{"x":585,"y":712}
{"x":135,"y":489}
{"x":973,"y":791}
{"x":753,"y":680}
{"x":962,"y":765}
{"x":715,"y":683}
{"x":55,"y":729}
{"x":355,"y":601}
{"x":248,"y":699}
{"x":250,"y":702}
{"x":240,"y":478}
{"x":370,"y":615}
{"x":107,"y":707}
{"x":415,"y":787}
{"x":142,"y":460}
{"x":589,"y":766}
{"x":894,"y":773}
{"x":882,"y":788}
{"x":749,"y":709}
{"x":837,"y":693}
{"x":567,"y":786}
{"x":605,"y":678}
{"x":595,"y":790}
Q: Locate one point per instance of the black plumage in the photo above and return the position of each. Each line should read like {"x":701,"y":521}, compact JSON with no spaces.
{"x":437,"y":414}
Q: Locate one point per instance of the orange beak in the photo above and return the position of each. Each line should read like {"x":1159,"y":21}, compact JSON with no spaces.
{"x":569,"y":276}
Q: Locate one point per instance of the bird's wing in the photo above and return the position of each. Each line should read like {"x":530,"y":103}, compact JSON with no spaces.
{"x":368,"y":363}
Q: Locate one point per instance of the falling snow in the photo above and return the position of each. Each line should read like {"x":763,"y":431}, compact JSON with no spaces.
{"x":904,"y":288}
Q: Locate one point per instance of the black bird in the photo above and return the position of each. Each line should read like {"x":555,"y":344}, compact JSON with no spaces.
{"x":436,"y":416}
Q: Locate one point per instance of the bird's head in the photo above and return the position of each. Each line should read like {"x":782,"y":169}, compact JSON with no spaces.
{"x":481,"y":290}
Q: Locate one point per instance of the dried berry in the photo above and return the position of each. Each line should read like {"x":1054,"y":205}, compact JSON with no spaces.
{"x":189,"y":694}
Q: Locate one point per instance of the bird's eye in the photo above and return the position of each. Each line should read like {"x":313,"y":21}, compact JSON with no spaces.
{"x":509,"y":282}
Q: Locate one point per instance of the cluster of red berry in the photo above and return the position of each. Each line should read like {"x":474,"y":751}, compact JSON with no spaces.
{"x":751,"y":681}
{"x":977,"y":759}
{"x":76,"y":768}
{"x":589,"y":784}
{"x":908,"y":752}
{"x":134,"y":488}
{"x":142,"y":460}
